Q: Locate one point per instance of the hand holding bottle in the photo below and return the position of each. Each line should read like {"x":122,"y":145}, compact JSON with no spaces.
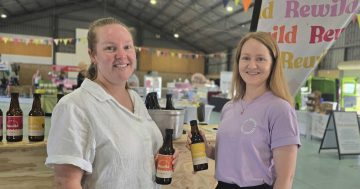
{"x":198,"y":148}
{"x":165,"y":160}
{"x":175,"y":157}
{"x":208,"y":147}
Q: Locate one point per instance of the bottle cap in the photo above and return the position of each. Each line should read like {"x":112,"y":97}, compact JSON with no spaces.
{"x":193,"y":122}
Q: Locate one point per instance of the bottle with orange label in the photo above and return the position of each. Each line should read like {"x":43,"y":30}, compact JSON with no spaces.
{"x":36,"y":121}
{"x":14,"y":120}
{"x":164,"y":168}
{"x":197,"y":148}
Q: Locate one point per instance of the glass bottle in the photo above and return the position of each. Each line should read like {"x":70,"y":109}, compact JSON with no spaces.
{"x":1,"y":125}
{"x":36,"y":127}
{"x":151,"y":101}
{"x":197,"y":148}
{"x":164,"y":168}
{"x":14,"y":120}
{"x":169,"y":104}
{"x":201,"y":112}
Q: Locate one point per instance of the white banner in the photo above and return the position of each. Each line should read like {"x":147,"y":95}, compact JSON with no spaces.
{"x":304,"y":30}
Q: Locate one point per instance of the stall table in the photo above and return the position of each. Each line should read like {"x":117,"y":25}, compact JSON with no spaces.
{"x":22,"y":165}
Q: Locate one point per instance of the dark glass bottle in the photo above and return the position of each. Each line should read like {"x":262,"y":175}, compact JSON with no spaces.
{"x":36,"y":127}
{"x":1,"y":125}
{"x":201,"y":112}
{"x":14,"y":120}
{"x":151,"y":101}
{"x":164,"y":168}
{"x":197,"y":148}
{"x":169,"y":104}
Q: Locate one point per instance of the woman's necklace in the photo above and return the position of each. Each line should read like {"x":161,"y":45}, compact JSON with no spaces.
{"x":242,"y":107}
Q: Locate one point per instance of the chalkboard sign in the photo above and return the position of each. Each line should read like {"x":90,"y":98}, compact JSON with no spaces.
{"x":342,"y":133}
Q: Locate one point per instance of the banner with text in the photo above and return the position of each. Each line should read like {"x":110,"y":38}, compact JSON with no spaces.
{"x":304,"y":30}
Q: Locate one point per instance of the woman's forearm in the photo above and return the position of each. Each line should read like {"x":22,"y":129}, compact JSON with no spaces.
{"x":283,"y":183}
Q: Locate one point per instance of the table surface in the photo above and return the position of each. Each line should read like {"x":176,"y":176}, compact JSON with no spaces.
{"x":22,"y":165}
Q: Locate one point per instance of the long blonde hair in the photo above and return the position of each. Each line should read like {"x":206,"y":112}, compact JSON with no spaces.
{"x":276,"y":81}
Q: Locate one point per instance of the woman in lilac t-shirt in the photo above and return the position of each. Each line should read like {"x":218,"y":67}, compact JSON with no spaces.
{"x":258,"y":135}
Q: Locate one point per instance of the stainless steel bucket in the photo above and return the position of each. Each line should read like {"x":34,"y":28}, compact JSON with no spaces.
{"x":169,"y":119}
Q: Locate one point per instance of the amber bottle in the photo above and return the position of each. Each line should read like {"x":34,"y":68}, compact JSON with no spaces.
{"x":36,"y":127}
{"x":164,"y":168}
{"x":14,"y":120}
{"x":1,"y":125}
{"x":197,"y":147}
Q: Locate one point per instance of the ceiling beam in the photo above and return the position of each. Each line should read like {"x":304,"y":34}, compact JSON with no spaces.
{"x":228,"y":29}
{"x":162,"y":9}
{"x":182,"y":39}
{"x":22,"y":6}
{"x":187,"y":6}
{"x":188,"y":22}
{"x":218,"y":20}
{"x":58,"y":10}
{"x":133,"y":19}
{"x":143,"y":9}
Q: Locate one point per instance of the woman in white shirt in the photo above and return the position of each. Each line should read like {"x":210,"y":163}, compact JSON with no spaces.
{"x":101,"y":134}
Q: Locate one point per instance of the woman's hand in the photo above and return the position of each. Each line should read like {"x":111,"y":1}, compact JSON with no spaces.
{"x":175,"y":158}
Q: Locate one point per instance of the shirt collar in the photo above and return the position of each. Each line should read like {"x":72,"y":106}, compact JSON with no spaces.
{"x":95,"y":90}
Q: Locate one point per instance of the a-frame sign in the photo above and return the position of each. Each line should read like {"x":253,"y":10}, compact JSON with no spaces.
{"x":342,"y":133}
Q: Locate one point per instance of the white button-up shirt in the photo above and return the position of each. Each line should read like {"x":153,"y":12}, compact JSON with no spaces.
{"x":115,"y":147}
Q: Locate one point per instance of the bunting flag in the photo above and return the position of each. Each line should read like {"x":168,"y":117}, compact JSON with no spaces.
{"x":225,"y":2}
{"x":236,"y":2}
{"x":67,"y":41}
{"x":358,"y":18}
{"x":246,"y":4}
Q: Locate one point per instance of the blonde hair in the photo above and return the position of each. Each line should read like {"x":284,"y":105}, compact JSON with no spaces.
{"x":92,"y":40}
{"x":276,"y":81}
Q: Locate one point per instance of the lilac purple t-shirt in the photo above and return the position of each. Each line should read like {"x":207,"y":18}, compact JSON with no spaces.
{"x":244,"y":142}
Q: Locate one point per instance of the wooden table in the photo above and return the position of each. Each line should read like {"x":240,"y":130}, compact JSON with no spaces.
{"x":22,"y":166}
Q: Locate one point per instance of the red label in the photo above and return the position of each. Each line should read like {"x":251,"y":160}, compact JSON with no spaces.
{"x":164,"y":166}
{"x":164,"y":162}
{"x":14,"y":125}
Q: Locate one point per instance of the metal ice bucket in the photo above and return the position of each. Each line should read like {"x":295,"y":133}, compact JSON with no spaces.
{"x":169,"y":119}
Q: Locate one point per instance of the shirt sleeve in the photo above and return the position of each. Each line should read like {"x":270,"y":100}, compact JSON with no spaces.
{"x":284,"y":129}
{"x":71,"y":140}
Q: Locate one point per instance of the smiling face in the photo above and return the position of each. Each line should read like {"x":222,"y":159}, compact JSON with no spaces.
{"x":114,"y":54}
{"x":255,"y":64}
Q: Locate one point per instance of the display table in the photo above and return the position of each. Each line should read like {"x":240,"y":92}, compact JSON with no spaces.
{"x":312,"y":124}
{"x":22,"y":165}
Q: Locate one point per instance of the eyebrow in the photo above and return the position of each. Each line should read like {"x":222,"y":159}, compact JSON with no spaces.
{"x":110,"y":42}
